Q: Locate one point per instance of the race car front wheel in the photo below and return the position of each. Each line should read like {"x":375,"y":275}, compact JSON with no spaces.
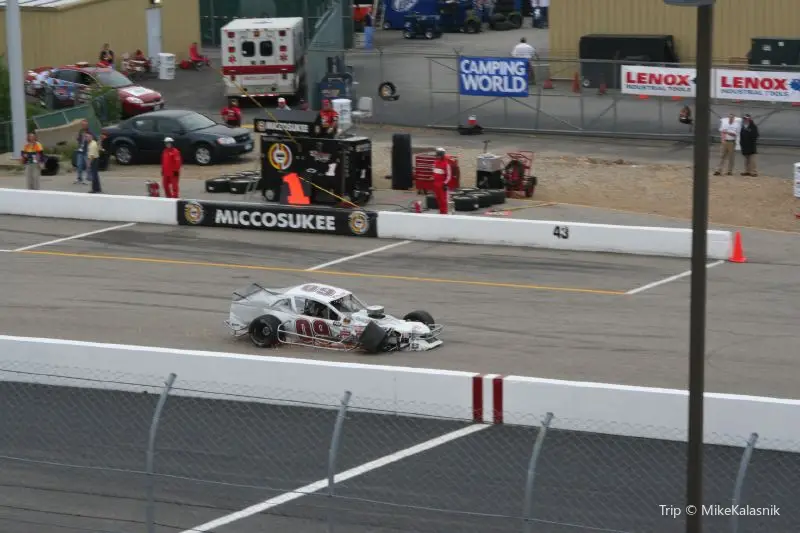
{"x":263,"y":331}
{"x":419,"y":316}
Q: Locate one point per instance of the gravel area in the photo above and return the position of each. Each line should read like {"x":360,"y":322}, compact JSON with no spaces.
{"x":605,"y":181}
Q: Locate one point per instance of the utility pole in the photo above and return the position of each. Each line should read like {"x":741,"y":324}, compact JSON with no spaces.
{"x":16,"y":77}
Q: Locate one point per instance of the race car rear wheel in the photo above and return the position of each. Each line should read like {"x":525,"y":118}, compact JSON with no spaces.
{"x":263,"y":331}
{"x":420,"y":316}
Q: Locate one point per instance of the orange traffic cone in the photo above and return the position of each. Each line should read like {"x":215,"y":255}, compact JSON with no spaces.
{"x":737,"y":255}
{"x":548,"y":84}
{"x":602,"y":89}
{"x":576,"y":84}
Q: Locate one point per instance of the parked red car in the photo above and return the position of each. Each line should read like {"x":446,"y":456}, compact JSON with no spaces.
{"x":72,"y":84}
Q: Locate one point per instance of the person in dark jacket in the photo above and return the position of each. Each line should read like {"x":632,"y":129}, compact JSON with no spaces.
{"x":748,"y":140}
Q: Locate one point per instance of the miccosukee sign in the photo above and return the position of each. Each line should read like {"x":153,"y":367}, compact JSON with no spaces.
{"x":493,"y":76}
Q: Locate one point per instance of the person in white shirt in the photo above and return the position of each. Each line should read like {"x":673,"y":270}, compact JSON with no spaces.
{"x":525,"y":51}
{"x":282,"y":104}
{"x":543,"y":7}
{"x":728,"y":132}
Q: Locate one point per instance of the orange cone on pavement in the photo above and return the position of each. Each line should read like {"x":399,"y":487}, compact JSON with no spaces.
{"x":737,"y":255}
{"x":603,"y":88}
{"x":576,"y":84}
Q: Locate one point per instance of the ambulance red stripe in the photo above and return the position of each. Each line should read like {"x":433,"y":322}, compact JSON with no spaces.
{"x":243,"y":70}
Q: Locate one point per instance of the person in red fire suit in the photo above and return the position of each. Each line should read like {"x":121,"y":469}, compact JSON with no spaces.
{"x":329,"y":117}
{"x":170,"y":168}
{"x":442,"y":174}
{"x":232,"y":114}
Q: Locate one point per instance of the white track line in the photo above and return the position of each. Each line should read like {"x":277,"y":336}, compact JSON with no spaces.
{"x":339,"y":478}
{"x":669,"y":279}
{"x":356,"y":256}
{"x":82,"y":235}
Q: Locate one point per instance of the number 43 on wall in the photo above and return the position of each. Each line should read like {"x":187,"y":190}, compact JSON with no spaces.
{"x":561,"y":232}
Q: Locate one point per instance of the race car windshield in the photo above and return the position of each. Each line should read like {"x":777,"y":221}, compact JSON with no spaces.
{"x":113,"y":79}
{"x":348,"y":304}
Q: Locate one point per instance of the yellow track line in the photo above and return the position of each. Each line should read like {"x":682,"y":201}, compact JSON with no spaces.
{"x":181,"y":262}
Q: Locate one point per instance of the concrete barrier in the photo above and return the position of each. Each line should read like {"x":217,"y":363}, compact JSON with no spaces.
{"x":84,"y":206}
{"x":240,"y":377}
{"x":493,"y":399}
{"x":574,"y":236}
{"x":651,"y":412}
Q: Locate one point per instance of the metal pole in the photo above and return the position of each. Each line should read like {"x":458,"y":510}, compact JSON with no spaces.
{"x":151,"y":452}
{"x":537,"y":449}
{"x":697,"y":313}
{"x":333,"y":453}
{"x":16,"y":77}
{"x":737,"y":489}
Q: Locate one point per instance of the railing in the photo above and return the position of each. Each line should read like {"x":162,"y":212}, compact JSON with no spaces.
{"x":184,"y":456}
{"x":429,"y":97}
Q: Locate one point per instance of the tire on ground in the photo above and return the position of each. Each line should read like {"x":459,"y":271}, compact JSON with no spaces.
{"x":430,"y":202}
{"x":498,"y":196}
{"x":484,"y":198}
{"x":264,"y":331}
{"x":239,"y":185}
{"x":465,"y":202}
{"x":420,"y":316}
{"x":220,"y":184}
{"x":373,"y":338}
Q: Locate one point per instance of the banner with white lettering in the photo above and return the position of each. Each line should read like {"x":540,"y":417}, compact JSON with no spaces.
{"x":757,"y":86}
{"x":658,"y":81}
{"x":493,"y":76}
{"x":273,"y":217}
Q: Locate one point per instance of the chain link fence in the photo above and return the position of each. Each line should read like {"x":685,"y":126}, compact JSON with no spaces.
{"x":566,"y":99}
{"x":124,"y":453}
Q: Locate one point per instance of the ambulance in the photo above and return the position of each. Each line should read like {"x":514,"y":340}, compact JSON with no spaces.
{"x":264,"y":57}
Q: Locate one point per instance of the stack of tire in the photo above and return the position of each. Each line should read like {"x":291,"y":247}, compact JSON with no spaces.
{"x":506,"y":15}
{"x":239,"y":183}
{"x":470,"y":199}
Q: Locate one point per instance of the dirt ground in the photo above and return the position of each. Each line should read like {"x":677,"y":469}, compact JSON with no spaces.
{"x":605,"y":181}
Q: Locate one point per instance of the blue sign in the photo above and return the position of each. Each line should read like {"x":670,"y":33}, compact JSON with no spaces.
{"x":493,"y":76}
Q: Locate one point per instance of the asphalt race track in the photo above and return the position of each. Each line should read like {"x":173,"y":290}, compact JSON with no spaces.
{"x":252,"y":453}
{"x":508,"y":311}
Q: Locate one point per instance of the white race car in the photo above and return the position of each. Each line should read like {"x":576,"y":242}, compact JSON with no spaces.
{"x":327,"y":317}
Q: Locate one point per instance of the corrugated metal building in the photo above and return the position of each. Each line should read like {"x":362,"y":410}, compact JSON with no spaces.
{"x":735,"y":23}
{"x":58,"y":32}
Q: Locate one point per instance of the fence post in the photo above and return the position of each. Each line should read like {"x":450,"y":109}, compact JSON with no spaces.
{"x":737,"y":489}
{"x":537,"y":450}
{"x":333,"y":453}
{"x":151,"y":451}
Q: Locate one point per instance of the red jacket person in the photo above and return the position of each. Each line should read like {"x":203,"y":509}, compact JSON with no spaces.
{"x":232,"y":114}
{"x":442,"y":174}
{"x":170,"y":168}
{"x":330,"y":118}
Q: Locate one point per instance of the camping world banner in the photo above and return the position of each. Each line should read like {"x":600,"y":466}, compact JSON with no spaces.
{"x":493,"y":76}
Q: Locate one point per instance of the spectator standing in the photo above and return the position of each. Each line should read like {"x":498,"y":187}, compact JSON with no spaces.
{"x":107,"y":55}
{"x":525,"y":51}
{"x":748,"y":140}
{"x":282,"y":104}
{"x":728,"y":132}
{"x":543,"y":20}
{"x":93,"y":162}
{"x":80,"y":154}
{"x":33,"y":159}
{"x":232,"y":114}
{"x":170,"y":168}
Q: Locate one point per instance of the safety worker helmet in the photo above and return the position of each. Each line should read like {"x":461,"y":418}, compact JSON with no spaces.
{"x":168,"y":140}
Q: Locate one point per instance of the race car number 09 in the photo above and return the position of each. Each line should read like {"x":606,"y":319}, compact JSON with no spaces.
{"x":561,"y":232}
{"x":324,"y":291}
{"x":312,"y":328}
